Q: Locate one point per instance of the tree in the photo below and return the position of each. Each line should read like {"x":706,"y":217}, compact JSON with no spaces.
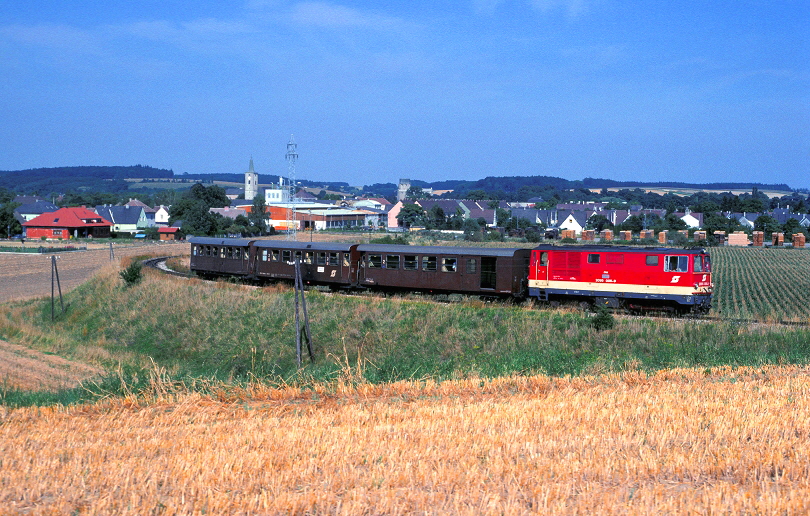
{"x":791,"y":227}
{"x":436,"y":217}
{"x":472,"y":231}
{"x":633,"y":223}
{"x":767,"y":224}
{"x":257,"y":216}
{"x":477,"y":195}
{"x":9,"y":225}
{"x":410,"y":214}
{"x":416,"y":192}
{"x":599,"y":223}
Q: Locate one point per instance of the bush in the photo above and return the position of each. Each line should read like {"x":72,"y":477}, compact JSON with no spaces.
{"x":132,"y":274}
{"x":603,"y":320}
{"x":388,"y":239}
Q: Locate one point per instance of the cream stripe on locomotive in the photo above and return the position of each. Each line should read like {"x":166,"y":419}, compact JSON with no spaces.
{"x":673,"y":290}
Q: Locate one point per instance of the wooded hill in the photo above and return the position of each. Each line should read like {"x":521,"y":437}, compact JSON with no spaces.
{"x":45,"y":181}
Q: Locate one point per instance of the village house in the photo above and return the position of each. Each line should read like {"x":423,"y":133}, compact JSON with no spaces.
{"x":66,"y":223}
{"x":125,"y":219}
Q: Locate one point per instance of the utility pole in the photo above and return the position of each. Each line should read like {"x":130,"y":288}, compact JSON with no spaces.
{"x":292,"y":222}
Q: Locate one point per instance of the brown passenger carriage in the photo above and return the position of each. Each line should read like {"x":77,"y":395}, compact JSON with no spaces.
{"x":495,"y":272}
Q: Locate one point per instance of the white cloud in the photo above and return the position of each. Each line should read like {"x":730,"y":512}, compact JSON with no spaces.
{"x":322,"y":14}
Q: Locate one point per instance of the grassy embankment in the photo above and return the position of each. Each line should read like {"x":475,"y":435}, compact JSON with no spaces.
{"x":233,"y":333}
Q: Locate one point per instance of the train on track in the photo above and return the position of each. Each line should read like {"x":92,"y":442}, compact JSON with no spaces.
{"x":620,"y":277}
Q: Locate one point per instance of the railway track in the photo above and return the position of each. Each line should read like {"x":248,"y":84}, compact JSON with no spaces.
{"x":159,"y":263}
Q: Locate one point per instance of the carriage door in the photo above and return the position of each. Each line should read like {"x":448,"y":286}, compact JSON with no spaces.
{"x":488,"y":272}
{"x":539,"y":269}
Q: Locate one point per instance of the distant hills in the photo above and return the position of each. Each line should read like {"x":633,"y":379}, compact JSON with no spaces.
{"x":45,"y":181}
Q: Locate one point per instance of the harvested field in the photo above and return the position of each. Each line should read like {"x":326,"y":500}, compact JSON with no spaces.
{"x":26,"y":369}
{"x":730,"y":441}
{"x":27,"y":276}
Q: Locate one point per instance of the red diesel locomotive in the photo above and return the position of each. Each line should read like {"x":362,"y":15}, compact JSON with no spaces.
{"x":665,"y":279}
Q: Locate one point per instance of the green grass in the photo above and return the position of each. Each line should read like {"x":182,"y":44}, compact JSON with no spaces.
{"x":231,"y":333}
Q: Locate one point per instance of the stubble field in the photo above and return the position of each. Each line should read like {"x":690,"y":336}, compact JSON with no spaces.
{"x":677,"y":442}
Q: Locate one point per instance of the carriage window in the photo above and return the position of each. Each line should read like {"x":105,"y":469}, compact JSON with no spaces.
{"x":245,"y":254}
{"x":698,"y":264}
{"x":308,"y":257}
{"x":264,"y":255}
{"x":392,"y":261}
{"x":472,"y":266}
{"x":275,"y":255}
{"x":676,"y":263}
{"x":375,"y":261}
{"x":207,"y":250}
{"x":429,"y":263}
{"x":333,"y":259}
{"x":194,"y":250}
{"x":449,"y":264}
{"x":652,"y":259}
{"x":237,"y":253}
{"x":615,"y":258}
{"x":411,"y":262}
{"x":593,"y":258}
{"x":286,"y":255}
{"x":321,"y":258}
{"x":298,"y":256}
{"x":345,"y":259}
{"x":222,"y":252}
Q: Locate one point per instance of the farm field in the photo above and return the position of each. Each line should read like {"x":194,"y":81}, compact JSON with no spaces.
{"x":683,"y":441}
{"x":26,"y":276}
{"x":762,"y":283}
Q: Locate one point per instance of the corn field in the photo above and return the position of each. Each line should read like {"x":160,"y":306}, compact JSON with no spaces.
{"x":681,"y":441}
{"x":762,"y":283}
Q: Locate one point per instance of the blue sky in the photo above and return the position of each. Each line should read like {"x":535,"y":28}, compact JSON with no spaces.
{"x":374,"y":92}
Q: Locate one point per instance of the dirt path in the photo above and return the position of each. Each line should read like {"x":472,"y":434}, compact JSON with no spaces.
{"x":26,"y":369}
{"x":27,"y":276}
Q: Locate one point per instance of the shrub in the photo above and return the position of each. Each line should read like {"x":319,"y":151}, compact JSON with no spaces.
{"x":603,"y":320}
{"x":132,"y":274}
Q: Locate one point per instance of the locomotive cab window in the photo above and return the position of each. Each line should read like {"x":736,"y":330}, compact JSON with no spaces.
{"x":375,"y":261}
{"x":593,"y":258}
{"x":698,"y":267}
{"x":544,"y":259}
{"x":411,"y":262}
{"x":449,"y":264}
{"x":652,"y":259}
{"x":676,"y":264}
{"x":429,"y":263}
{"x":392,"y":261}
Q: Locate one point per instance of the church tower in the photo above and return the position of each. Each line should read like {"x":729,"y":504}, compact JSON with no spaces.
{"x":251,"y":182}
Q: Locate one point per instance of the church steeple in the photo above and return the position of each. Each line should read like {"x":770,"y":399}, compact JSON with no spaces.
{"x":251,"y":182}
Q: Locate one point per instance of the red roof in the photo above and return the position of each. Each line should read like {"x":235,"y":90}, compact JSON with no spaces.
{"x":69,"y":218}
{"x":168,"y":230}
